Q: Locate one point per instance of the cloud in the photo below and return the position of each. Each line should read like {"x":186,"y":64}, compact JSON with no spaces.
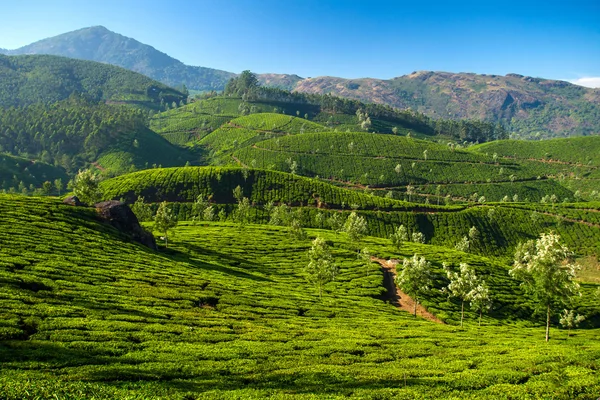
{"x":591,"y":82}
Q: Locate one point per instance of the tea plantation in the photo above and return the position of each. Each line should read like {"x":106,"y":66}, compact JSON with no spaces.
{"x":226,"y":312}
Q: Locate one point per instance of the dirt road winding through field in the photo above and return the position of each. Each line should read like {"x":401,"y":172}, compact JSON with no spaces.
{"x":398,"y":297}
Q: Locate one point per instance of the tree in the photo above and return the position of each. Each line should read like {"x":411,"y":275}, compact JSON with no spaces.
{"x":410,"y":190}
{"x":543,"y":266}
{"x":47,"y":188}
{"x":570,"y":320}
{"x":398,"y":168}
{"x":480,"y":299}
{"x":164,"y":220}
{"x":399,"y":237}
{"x":415,"y":278}
{"x":242,"y":212}
{"x":198,"y":208}
{"x":141,"y":210}
{"x":320,"y":268}
{"x":85,"y":187}
{"x":58,"y":185}
{"x":462,"y":285}
{"x":418,"y":237}
{"x":336,"y":222}
{"x":365,"y":259}
{"x":355,"y":227}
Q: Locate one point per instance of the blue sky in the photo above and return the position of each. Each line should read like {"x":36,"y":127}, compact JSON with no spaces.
{"x":347,"y":38}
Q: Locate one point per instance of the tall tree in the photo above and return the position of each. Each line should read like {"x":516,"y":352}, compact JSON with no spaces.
{"x":85,"y":186}
{"x":164,"y":220}
{"x":546,"y":271}
{"x":462,"y":285}
{"x":320,"y":268}
{"x":415,"y":278}
{"x":356,"y":228}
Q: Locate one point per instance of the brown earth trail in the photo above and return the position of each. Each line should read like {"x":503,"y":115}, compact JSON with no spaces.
{"x":398,"y":297}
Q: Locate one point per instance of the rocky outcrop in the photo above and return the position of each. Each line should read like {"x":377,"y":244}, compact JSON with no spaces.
{"x":73,"y":201}
{"x":119,"y":215}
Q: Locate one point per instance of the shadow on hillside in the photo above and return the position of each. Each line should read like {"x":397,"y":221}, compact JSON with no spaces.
{"x":317,"y":383}
{"x":48,"y":353}
{"x":181,"y":256}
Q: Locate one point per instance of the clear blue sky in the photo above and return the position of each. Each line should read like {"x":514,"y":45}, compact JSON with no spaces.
{"x":347,"y":38}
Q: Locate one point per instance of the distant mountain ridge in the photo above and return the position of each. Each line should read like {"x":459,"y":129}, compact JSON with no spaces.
{"x":531,"y":107}
{"x":100,"y":44}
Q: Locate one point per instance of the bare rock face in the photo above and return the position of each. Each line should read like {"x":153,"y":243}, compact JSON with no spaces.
{"x":73,"y":201}
{"x":119,"y":215}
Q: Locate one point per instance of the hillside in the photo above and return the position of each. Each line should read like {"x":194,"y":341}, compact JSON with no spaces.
{"x":530,"y":107}
{"x":76,"y":132}
{"x":32,"y":79}
{"x":86,"y":313}
{"x":20,"y":174}
{"x":501,"y":230}
{"x":97,"y":43}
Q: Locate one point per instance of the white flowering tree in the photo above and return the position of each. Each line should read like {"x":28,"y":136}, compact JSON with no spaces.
{"x":320,"y":268}
{"x":399,"y":237}
{"x":543,"y":266}
{"x":415,"y":278}
{"x":570,"y":320}
{"x":355,"y":227}
{"x":462,"y":285}
{"x":480,"y":298}
{"x":86,"y":187}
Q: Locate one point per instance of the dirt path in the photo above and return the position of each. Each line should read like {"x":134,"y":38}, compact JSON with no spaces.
{"x":398,"y":297}
{"x":238,"y":161}
{"x":100,"y":167}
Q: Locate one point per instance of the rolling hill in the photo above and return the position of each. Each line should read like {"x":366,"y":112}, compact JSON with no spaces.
{"x":530,"y":107}
{"x":42,"y":78}
{"x":228,"y":313}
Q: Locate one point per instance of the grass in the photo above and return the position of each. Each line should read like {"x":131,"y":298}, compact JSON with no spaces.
{"x":226,"y":313}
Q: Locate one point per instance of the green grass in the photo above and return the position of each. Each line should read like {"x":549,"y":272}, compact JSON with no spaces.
{"x":226,"y":313}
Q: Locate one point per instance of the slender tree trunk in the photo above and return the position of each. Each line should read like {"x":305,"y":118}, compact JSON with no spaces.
{"x":462,"y":312}
{"x":480,"y":312}
{"x":416,"y":302}
{"x":166,"y":241}
{"x":548,"y":323}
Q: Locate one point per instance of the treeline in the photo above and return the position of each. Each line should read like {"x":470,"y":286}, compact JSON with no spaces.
{"x":246,"y":85}
{"x":68,"y":133}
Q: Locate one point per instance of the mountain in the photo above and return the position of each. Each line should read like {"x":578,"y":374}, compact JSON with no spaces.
{"x":99,"y":44}
{"x":43,"y":78}
{"x":531,"y":107}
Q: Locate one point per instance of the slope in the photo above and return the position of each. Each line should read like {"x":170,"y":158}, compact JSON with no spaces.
{"x":17,"y":173}
{"x":531,"y":107}
{"x":76,"y":132}
{"x":31,"y":79}
{"x":97,"y":43}
{"x":501,"y":229}
{"x":200,"y":321}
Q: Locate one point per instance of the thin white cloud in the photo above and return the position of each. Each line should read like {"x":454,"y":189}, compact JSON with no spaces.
{"x":591,"y":82}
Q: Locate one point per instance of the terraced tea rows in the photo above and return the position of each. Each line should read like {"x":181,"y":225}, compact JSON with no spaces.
{"x":85,"y":313}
